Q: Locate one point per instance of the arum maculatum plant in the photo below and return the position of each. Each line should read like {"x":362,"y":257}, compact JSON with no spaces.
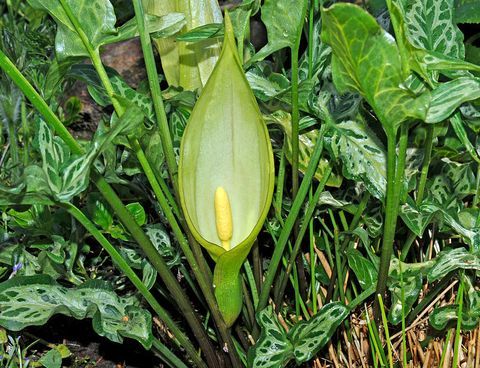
{"x":226,"y":173}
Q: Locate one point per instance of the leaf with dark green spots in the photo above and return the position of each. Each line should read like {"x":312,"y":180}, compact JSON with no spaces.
{"x":284,"y":26}
{"x":406,"y":278}
{"x":362,"y":154}
{"x":161,"y":241}
{"x":273,"y":349}
{"x":446,"y":98}
{"x":32,"y":300}
{"x":447,"y":315}
{"x":68,"y":176}
{"x":430,"y":26}
{"x":416,"y":220}
{"x":452,"y":260}
{"x":364,"y":269}
{"x":86,"y":73}
{"x":308,"y":337}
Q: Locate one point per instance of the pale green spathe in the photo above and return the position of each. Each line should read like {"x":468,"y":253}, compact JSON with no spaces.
{"x":226,"y":144}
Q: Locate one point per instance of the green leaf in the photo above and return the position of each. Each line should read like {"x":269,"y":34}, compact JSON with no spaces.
{"x":308,"y":337}
{"x":306,"y":145}
{"x":416,"y":220}
{"x":226,"y":147}
{"x":164,"y":26}
{"x":212,"y":30}
{"x":272,"y":350}
{"x":430,"y":26}
{"x":467,"y":11}
{"x":366,"y":59}
{"x":363,"y":155}
{"x":451,"y":260}
{"x":68,"y":176}
{"x":447,"y":97}
{"x":284,"y":26}
{"x":96,"y":17}
{"x":447,"y":315}
{"x":32,"y":300}
{"x":137,"y":212}
{"x":363,"y":268}
{"x":52,"y":359}
{"x":275,"y":348}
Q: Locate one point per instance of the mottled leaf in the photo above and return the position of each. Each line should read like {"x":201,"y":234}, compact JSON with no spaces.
{"x":308,"y":337}
{"x":446,"y":98}
{"x":366,"y":60}
{"x":32,"y":300}
{"x":273,"y":349}
{"x":451,"y":260}
{"x":430,"y":26}
{"x":306,"y":145}
{"x":362,"y":154}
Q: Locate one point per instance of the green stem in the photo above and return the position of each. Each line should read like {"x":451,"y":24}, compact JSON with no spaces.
{"x":290,"y":221}
{"x":310,"y":39}
{"x":394,"y":189}
{"x":167,"y":356}
{"x":458,"y":328}
{"x":23,"y":113}
{"x":312,"y":205}
{"x":159,"y":264}
{"x":421,"y":186}
{"x":425,"y":164}
{"x":295,"y":120}
{"x":11,"y":70}
{"x":127,"y":271}
{"x":154,"y":85}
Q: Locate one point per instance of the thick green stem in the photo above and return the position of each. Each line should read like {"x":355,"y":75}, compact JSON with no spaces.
{"x":154,"y":85}
{"x":395,"y":174}
{"x":132,"y":276}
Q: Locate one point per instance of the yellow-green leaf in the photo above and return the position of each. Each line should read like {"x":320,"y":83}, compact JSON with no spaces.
{"x":226,"y":144}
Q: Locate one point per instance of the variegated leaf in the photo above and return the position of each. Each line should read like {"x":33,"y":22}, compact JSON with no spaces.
{"x":273,"y":349}
{"x":32,"y":300}
{"x":308,"y":337}
{"x":366,"y":60}
{"x":363,"y":155}
{"x":453,"y":259}
{"x":446,"y":98}
{"x":430,"y":26}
